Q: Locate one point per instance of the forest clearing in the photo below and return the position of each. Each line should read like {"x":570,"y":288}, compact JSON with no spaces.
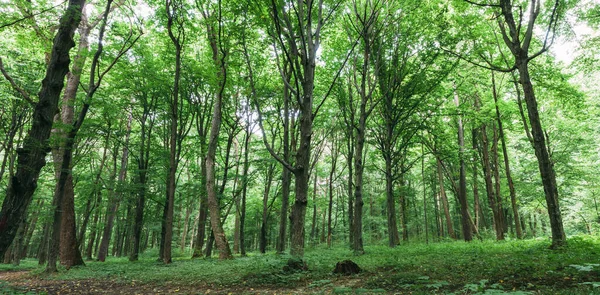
{"x":510,"y":267}
{"x":255,"y":146}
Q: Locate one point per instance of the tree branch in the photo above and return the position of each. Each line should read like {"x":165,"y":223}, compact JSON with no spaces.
{"x":14,"y":85}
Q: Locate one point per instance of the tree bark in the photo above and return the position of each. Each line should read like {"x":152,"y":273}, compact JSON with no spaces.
{"x":520,"y":50}
{"x":462,"y":186}
{"x":511,"y":185}
{"x":117,"y":196}
{"x":218,"y":57}
{"x":31,"y":157}
{"x":444,"y":199}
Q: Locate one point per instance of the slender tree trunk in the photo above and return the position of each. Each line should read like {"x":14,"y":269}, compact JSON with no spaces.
{"x":313,"y":228}
{"x":496,"y":171}
{"x":117,"y":196}
{"x":393,"y":237}
{"x":476,"y":202}
{"x":265,"y":210}
{"x":334,"y":156}
{"x":203,"y":212}
{"x":520,"y":51}
{"x":245,"y":181}
{"x":488,"y":184}
{"x":286,"y":173}
{"x":403,"y":209}
{"x":172,"y":9}
{"x":444,"y":199}
{"x":462,"y":187}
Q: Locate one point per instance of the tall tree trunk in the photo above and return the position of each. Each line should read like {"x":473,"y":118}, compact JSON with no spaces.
{"x":245,"y":181}
{"x":265,"y":210}
{"x":496,"y":171}
{"x":334,"y":157}
{"x":313,"y":227}
{"x":403,"y":209}
{"x":218,"y":56}
{"x":203,"y":212}
{"x":476,"y":201}
{"x":286,"y":173}
{"x":444,"y":199}
{"x":31,"y":157}
{"x":69,"y":247}
{"x":462,"y":187}
{"x":393,"y":237}
{"x":172,"y":10}
{"x":519,"y":46}
{"x":111,"y":209}
{"x":487,"y":172}
{"x":511,"y":186}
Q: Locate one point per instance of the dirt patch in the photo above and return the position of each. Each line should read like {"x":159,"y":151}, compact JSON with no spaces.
{"x":23,"y":281}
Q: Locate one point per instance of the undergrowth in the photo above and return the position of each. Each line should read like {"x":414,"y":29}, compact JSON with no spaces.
{"x":454,"y":267}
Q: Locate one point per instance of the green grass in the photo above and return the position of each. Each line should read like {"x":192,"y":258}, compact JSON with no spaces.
{"x":510,"y":267}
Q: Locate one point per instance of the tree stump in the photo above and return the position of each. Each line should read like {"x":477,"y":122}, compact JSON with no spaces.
{"x":294,"y":265}
{"x":346,"y":267}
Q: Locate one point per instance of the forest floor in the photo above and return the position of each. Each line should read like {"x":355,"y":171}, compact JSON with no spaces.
{"x":510,"y":267}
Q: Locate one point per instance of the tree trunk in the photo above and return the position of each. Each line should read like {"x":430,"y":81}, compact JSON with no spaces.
{"x":286,"y":174}
{"x":302,"y":168}
{"x":520,"y":51}
{"x":313,"y":228}
{"x":462,"y":187}
{"x":245,"y":181}
{"x":444,"y":199}
{"x":203,"y":212}
{"x":489,"y":186}
{"x":172,"y":9}
{"x":545,"y":164}
{"x":116,"y":199}
{"x":334,"y":156}
{"x":476,"y":202}
{"x":393,"y":237}
{"x":31,"y":157}
{"x":511,"y":186}
{"x":265,"y":210}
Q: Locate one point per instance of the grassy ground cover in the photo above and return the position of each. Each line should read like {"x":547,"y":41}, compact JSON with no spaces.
{"x":511,"y":267}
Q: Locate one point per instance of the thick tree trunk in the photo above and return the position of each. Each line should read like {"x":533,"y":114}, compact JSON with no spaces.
{"x":302,"y":169}
{"x":357,"y":244}
{"x":31,"y":157}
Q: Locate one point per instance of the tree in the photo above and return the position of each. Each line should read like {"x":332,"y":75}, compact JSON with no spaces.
{"x":35,"y":147}
{"x":519,"y":43}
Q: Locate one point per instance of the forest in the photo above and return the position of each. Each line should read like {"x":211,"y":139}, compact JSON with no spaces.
{"x":140,"y":138}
